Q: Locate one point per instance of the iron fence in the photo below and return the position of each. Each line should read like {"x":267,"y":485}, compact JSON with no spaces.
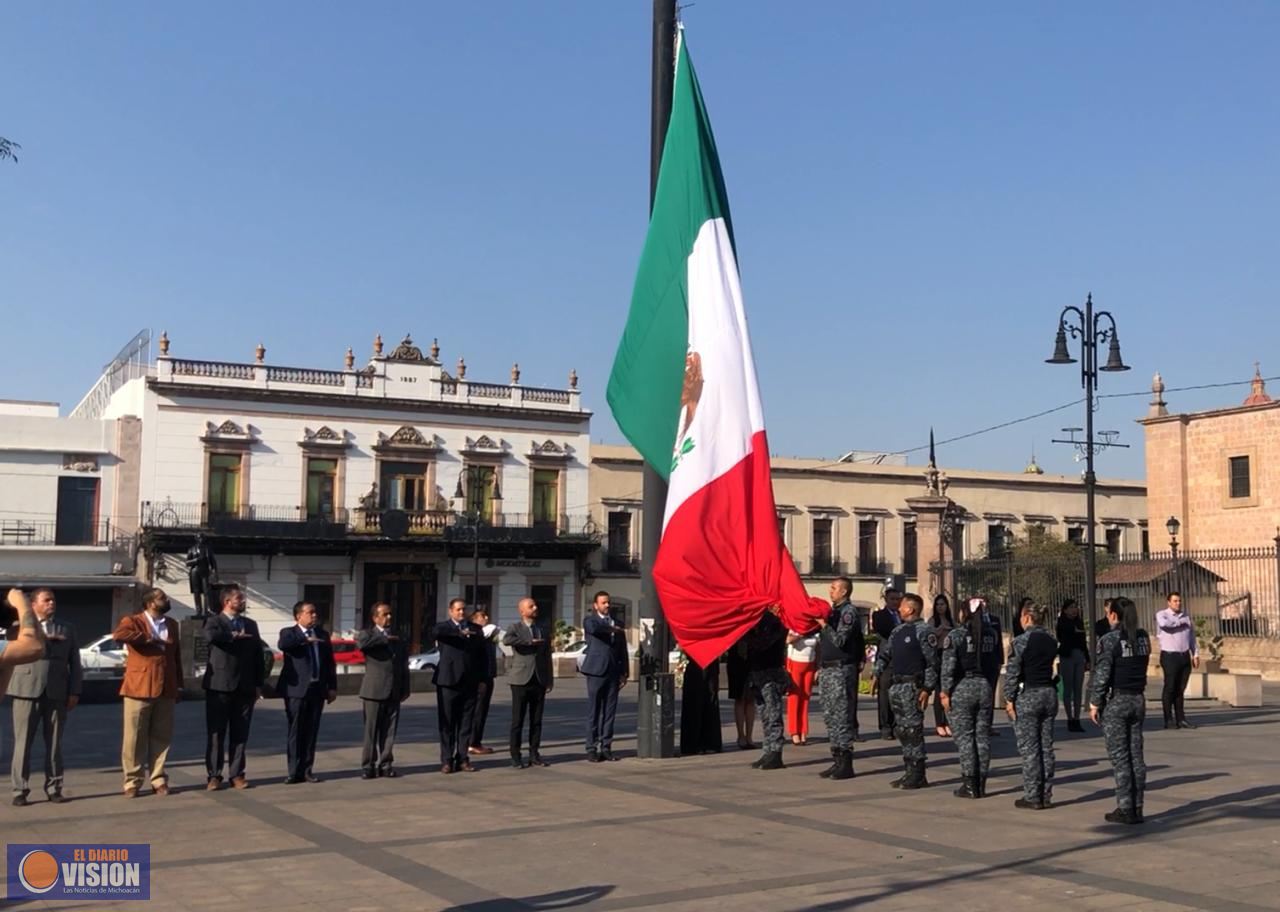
{"x":63,"y":533}
{"x":1232,"y":591}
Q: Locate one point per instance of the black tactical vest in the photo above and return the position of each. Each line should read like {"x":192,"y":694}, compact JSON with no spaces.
{"x":967,"y":652}
{"x":1131,"y":662}
{"x":990,"y":657}
{"x":908,"y":657}
{"x":1038,"y":652}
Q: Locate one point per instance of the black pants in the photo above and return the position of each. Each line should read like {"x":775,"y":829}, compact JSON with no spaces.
{"x":304,"y":728}
{"x":227,"y":716}
{"x":851,"y":691}
{"x":1177,"y":672}
{"x":484,"y":693}
{"x":381,"y":719}
{"x":884,"y":710}
{"x":455,"y":707}
{"x":527,"y":698}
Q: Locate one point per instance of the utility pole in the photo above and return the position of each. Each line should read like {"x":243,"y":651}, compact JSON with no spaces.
{"x":655,"y":735}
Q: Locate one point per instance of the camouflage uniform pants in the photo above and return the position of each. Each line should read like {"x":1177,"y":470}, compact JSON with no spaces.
{"x":770,"y":687}
{"x":1036,"y":709}
{"x":1122,"y":728}
{"x":834,"y":695}
{"x":908,"y":721}
{"x":971,"y":725}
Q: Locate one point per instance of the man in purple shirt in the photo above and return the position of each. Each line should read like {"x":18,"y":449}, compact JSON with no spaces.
{"x":1178,"y":655}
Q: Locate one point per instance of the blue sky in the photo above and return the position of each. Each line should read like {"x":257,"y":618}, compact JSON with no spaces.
{"x":917,"y":189}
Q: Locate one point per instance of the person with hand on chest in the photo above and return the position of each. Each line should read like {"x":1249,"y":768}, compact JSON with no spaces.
{"x":457,"y":679}
{"x":384,"y":688}
{"x":233,"y":680}
{"x":605,"y":665}
{"x":43,"y":693}
{"x":152,"y":685}
{"x":308,"y":680}
{"x":531,"y":680}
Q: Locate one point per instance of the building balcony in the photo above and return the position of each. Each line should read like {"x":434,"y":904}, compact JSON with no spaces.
{"x":621,"y":562}
{"x":46,"y":533}
{"x":285,"y":521}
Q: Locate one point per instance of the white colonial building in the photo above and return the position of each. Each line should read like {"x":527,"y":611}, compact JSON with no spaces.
{"x":395,"y":481}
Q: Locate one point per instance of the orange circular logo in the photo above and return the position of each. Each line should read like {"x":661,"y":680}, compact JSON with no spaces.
{"x":38,"y":871}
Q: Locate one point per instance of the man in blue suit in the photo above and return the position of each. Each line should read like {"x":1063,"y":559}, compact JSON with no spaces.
{"x":606,"y":666}
{"x":308,"y":680}
{"x":457,"y":677}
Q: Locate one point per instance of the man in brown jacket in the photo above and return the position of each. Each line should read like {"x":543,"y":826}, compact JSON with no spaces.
{"x":152,"y":677}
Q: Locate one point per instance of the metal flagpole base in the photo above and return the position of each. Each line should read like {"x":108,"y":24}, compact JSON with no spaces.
{"x":656,"y":725}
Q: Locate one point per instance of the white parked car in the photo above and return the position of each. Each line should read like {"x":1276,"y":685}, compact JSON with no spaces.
{"x":425,"y":661}
{"x":577,"y":650}
{"x":103,"y":658}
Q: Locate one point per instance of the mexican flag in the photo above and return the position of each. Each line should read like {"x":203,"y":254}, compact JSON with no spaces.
{"x":684,"y":392}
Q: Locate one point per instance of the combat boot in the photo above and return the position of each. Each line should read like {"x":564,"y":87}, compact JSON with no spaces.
{"x":1137,"y":809}
{"x":967,"y":789}
{"x":835,"y":765}
{"x":772,"y":761}
{"x":844,"y":766}
{"x":915,"y":777}
{"x":981,"y":783}
{"x":1120,"y":815}
{"x":898,"y":783}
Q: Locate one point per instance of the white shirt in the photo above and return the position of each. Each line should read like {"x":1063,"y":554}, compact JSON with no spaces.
{"x":159,"y":629}
{"x":804,"y":649}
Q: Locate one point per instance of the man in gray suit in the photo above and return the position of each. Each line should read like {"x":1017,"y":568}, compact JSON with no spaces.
{"x":530,"y":677}
{"x":43,"y":693}
{"x":384,"y":688}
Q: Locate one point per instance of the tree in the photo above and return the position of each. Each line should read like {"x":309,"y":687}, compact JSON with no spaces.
{"x":8,"y":149}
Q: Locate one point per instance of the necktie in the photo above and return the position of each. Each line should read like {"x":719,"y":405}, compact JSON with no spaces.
{"x":236,"y":625}
{"x":314,"y":652}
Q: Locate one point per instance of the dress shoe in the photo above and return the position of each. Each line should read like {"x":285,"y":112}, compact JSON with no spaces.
{"x":293,"y":780}
{"x":368,"y":774}
{"x":518,"y":764}
{"x":311,"y":777}
{"x":240,"y":782}
{"x":466,"y":767}
{"x":20,"y":801}
{"x":479,"y":750}
{"x":388,"y":773}
{"x":214,"y":783}
{"x":593,"y":757}
{"x":610,"y":756}
{"x":446,"y":767}
{"x":886,"y":736}
{"x":1185,"y":724}
{"x":536,"y":760}
{"x":1027,"y":805}
{"x":57,"y":797}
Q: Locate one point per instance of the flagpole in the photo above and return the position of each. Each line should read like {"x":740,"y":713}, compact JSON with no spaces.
{"x":655,"y":735}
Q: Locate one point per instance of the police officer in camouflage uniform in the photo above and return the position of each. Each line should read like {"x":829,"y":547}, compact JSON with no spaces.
{"x":1119,"y":698}
{"x":1031,"y":700}
{"x":910,"y":656}
{"x":843,"y":650}
{"x":767,"y":678}
{"x":966,"y":696}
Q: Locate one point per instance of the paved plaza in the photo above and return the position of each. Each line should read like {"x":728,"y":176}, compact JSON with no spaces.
{"x":697,"y":833}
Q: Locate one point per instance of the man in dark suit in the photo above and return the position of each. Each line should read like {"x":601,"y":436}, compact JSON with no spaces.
{"x":43,"y":693}
{"x":233,"y":679}
{"x":530,"y":677}
{"x":308,"y":680}
{"x":606,"y":666}
{"x":883,"y":622}
{"x":384,"y":688}
{"x":484,"y":687}
{"x":461,"y":645}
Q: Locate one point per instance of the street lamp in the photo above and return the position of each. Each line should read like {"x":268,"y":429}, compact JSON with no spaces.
{"x":1091,"y":335}
{"x":472,"y":518}
{"x":1172,"y":527}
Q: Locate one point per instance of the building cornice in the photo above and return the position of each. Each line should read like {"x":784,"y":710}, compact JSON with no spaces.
{"x":363,"y":403}
{"x":1188,"y":417}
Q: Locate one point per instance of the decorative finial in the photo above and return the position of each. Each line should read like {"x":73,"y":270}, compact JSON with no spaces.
{"x":462,"y":369}
{"x":933,"y":460}
{"x":377,"y":345}
{"x":260,"y":353}
{"x":1258,"y":388}
{"x":435,"y":349}
{"x":573,"y":379}
{"x":1158,"y":408}
{"x":164,"y":344}
{"x":515,"y":374}
{"x":935,"y":482}
{"x":350,"y":359}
